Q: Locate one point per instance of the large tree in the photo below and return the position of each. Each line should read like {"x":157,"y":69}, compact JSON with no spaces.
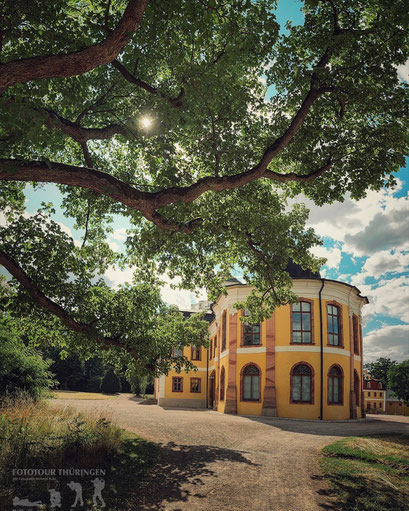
{"x":158,"y":111}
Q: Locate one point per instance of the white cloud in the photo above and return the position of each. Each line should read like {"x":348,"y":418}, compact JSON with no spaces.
{"x":119,"y":234}
{"x":388,"y":297}
{"x":403,"y":71}
{"x":386,"y":261}
{"x":389,"y":341}
{"x":332,"y":254}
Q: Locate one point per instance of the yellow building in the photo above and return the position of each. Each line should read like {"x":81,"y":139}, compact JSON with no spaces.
{"x":394,"y":406}
{"x":303,"y":362}
{"x":374,"y":394}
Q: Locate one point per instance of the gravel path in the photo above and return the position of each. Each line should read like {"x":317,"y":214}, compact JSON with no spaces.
{"x":210,"y":461}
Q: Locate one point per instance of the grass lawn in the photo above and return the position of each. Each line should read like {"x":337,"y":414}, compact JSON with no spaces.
{"x":369,"y":473}
{"x":72,"y":394}
{"x":34,"y":435}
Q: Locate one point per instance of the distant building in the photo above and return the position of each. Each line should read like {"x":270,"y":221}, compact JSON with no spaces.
{"x":303,"y":362}
{"x":394,"y":406}
{"x":374,"y":394}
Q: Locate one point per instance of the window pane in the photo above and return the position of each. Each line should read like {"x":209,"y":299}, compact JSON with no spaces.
{"x":331,"y":389}
{"x":247,"y":387}
{"x":335,"y":324}
{"x":296,"y":321}
{"x":336,"y":340}
{"x":306,"y":321}
{"x":178,"y":352}
{"x":307,"y":337}
{"x":296,"y":388}
{"x":247,"y":339}
{"x":305,"y":306}
{"x":296,"y":306}
{"x":296,"y":336}
{"x":336,"y":389}
{"x":256,"y":339}
{"x":247,"y":328}
{"x":331,"y":338}
{"x":329,"y":309}
{"x":306,"y":388}
{"x":251,"y":370}
{"x":256,"y":386}
{"x":256,"y":328}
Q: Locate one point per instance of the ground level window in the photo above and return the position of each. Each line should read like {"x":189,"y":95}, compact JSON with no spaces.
{"x":335,"y":385}
{"x":301,"y":384}
{"x":195,"y":385}
{"x":251,"y":383}
{"x":177,"y":384}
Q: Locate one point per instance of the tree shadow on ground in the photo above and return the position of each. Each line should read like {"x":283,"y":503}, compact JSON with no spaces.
{"x":175,"y":467}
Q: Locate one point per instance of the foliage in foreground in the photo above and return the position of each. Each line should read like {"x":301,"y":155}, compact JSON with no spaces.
{"x":22,"y":369}
{"x":369,"y":473}
{"x":36,"y":435}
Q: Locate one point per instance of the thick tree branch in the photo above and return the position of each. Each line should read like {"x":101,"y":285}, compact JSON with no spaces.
{"x":175,"y":102}
{"x":54,"y":308}
{"x":79,"y":62}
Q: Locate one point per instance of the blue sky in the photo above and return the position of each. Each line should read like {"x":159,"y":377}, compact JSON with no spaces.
{"x":366,"y":243}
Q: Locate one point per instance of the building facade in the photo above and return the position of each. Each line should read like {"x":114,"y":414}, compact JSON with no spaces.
{"x":303,"y":362}
{"x":394,"y":406}
{"x":374,"y":394}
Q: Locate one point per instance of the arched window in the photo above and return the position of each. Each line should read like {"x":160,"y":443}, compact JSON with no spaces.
{"x":301,"y":332}
{"x":302,"y":384}
{"x":380,"y":385}
{"x":356,"y":387}
{"x":335,"y":386}
{"x":368,"y":384}
{"x":251,"y":383}
{"x":334,"y":325}
{"x":222,"y":384}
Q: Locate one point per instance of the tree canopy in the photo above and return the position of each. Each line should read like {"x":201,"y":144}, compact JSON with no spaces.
{"x":398,"y":380}
{"x":158,"y":111}
{"x":379,"y":369}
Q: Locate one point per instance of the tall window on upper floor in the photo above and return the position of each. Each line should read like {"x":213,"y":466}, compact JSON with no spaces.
{"x":251,"y":383}
{"x":368,"y":384}
{"x":301,"y":323}
{"x":251,"y":332}
{"x":334,"y":325}
{"x":224,"y":330}
{"x":196,"y":353}
{"x":355,"y":334}
{"x":335,"y":386}
{"x":222,"y":378}
{"x":302,"y":384}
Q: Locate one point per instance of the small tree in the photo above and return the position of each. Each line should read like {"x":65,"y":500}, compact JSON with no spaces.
{"x":110,"y":383}
{"x":398,"y":380}
{"x":379,"y":369}
{"x":22,"y":369}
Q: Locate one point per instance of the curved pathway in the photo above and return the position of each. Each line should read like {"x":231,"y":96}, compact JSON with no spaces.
{"x":210,"y":461}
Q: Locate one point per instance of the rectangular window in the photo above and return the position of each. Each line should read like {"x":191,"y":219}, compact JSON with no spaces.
{"x":177,"y":384}
{"x":333,"y":325}
{"x":224,"y":330}
{"x":380,"y":394}
{"x":380,"y":405}
{"x":196,"y":353}
{"x":195,"y":385}
{"x":301,"y":323}
{"x":369,"y":394}
{"x":374,"y":394}
{"x":251,"y":333}
{"x":355,"y":334}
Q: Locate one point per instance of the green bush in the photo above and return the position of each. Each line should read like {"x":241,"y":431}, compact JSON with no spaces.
{"x":110,"y":383}
{"x":22,"y":369}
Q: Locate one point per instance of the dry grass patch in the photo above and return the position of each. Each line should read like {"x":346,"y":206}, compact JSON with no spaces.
{"x":71,"y":394}
{"x":369,"y":473}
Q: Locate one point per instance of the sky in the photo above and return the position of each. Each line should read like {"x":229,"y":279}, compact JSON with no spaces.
{"x":366,"y":244}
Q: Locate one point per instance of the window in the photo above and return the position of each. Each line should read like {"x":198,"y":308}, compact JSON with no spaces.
{"x":380,"y":405}
{"x":335,"y":387}
{"x":251,"y":383}
{"x":177,"y":384}
{"x":178,"y":352}
{"x":379,"y":385}
{"x":301,"y":384}
{"x":196,"y":353}
{"x":334,"y":325}
{"x":356,"y":387}
{"x":369,"y":394}
{"x":368,"y":384}
{"x":224,"y":330}
{"x":374,"y":405}
{"x":301,"y":323}
{"x":222,"y":384}
{"x":195,"y":385}
{"x":251,"y":333}
{"x":380,"y":394}
{"x":368,"y":406}
{"x":355,"y":334}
